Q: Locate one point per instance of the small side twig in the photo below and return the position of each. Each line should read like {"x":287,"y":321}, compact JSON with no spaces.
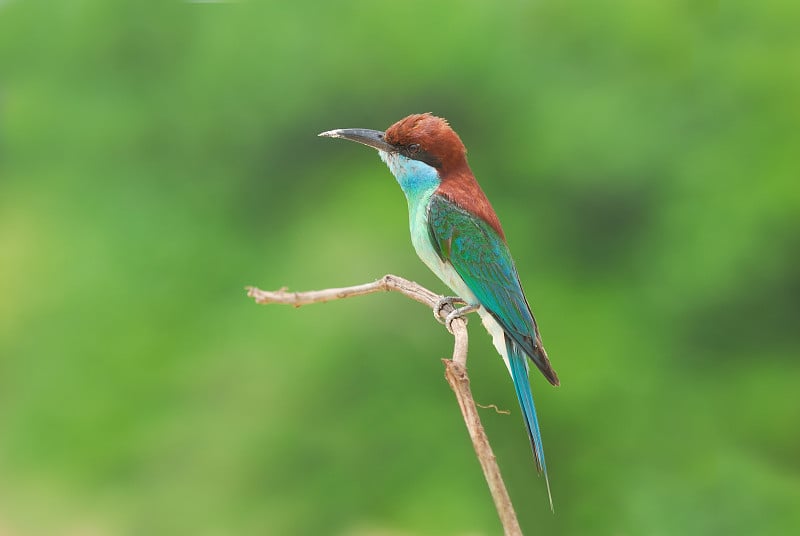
{"x":455,"y":371}
{"x":495,"y":408}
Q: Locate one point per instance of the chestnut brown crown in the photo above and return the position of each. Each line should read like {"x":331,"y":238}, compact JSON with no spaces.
{"x":429,"y":139}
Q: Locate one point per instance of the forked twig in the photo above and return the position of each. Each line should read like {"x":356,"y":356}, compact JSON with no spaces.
{"x":455,"y":371}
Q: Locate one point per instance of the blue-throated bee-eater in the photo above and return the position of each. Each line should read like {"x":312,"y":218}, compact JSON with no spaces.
{"x":458,"y":236}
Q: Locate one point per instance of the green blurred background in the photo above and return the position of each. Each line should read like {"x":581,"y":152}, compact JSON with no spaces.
{"x":156,"y":157}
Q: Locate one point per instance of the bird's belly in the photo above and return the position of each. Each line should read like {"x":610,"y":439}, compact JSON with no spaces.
{"x":443,"y":270}
{"x":447,"y":273}
{"x":420,"y":238}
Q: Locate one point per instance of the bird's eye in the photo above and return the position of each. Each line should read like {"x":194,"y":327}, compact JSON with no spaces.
{"x":413,"y":148}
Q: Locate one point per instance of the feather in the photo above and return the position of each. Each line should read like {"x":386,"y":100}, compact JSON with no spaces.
{"x":483,"y":261}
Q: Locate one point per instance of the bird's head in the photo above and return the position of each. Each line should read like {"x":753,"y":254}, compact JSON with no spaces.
{"x":419,"y":137}
{"x":426,"y":155}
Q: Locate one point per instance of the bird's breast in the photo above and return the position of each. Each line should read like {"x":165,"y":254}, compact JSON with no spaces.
{"x":419,"y":181}
{"x":421,"y":239}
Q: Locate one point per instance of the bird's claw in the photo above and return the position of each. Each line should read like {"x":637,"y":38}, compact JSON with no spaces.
{"x":445,"y":300}
{"x":461,"y":312}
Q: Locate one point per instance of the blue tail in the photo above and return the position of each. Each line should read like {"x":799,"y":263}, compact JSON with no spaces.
{"x":518,"y":363}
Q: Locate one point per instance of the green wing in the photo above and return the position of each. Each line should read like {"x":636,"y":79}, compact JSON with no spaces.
{"x":482,"y":259}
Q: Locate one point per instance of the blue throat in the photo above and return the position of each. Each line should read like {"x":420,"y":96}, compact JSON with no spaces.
{"x":417,"y":179}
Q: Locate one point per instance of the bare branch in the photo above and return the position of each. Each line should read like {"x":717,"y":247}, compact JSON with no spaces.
{"x":455,"y":370}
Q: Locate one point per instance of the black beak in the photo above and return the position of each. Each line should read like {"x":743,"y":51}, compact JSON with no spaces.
{"x":365,"y":136}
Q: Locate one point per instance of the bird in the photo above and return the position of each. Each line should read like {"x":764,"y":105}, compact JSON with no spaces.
{"x":457,"y":234}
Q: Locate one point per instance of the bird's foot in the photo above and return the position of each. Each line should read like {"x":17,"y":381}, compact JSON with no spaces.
{"x":461,"y":312}
{"x":445,"y":300}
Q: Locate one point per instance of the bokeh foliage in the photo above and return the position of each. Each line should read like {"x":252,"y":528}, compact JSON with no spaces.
{"x":155,"y":157}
